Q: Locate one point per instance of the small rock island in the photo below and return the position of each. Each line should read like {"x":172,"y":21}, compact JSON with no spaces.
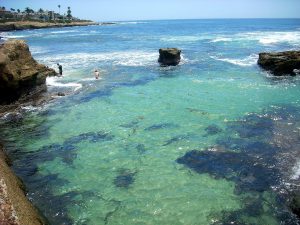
{"x":280,"y":63}
{"x":169,"y":56}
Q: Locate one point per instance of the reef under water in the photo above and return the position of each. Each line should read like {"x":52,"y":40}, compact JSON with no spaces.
{"x":258,"y":153}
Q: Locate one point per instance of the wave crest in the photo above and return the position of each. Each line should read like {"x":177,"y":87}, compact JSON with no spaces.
{"x":248,"y":61}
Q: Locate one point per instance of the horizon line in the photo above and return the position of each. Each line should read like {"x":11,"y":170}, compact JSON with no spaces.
{"x":226,"y":18}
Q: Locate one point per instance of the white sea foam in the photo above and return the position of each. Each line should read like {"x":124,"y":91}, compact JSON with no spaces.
{"x":221,"y":39}
{"x":264,"y":38}
{"x":53,"y":81}
{"x":248,"y":61}
{"x":271,"y":38}
{"x":79,"y":60}
{"x":296,"y":169}
{"x":30,"y":108}
{"x":14,"y":36}
{"x":38,"y":50}
{"x":132,"y":22}
{"x":183,"y":38}
{"x":91,"y":79}
{"x":63,"y":31}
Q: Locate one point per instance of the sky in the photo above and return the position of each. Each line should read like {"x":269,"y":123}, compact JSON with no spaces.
{"x":118,"y":10}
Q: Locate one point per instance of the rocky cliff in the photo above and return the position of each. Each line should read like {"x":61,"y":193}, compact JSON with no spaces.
{"x":20,"y":74}
{"x":15,"y":209}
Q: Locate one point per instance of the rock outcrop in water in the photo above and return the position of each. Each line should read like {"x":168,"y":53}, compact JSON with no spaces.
{"x":19,"y":73}
{"x":169,"y":56}
{"x":280,"y":63}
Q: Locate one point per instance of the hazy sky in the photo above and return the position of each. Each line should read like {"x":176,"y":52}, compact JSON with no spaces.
{"x":112,"y":10}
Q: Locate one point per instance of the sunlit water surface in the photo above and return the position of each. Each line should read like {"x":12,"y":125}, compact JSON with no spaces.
{"x":211,"y":141}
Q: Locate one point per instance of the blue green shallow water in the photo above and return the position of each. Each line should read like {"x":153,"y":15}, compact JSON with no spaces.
{"x":120,"y":150}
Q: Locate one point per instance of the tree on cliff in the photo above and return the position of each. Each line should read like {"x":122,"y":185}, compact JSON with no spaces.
{"x":28,"y":10}
{"x":58,"y":9}
{"x":69,"y":13}
{"x":18,"y":10}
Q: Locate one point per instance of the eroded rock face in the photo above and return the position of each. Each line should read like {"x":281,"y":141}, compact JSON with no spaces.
{"x":169,"y":56}
{"x":280,"y":63}
{"x":19,"y":72}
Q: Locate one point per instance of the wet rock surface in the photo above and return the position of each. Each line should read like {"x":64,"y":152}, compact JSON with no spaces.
{"x":15,"y":209}
{"x":280,"y":63}
{"x":20,"y":74}
{"x":169,"y":56}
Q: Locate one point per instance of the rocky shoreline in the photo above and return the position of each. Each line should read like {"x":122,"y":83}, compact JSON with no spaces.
{"x":15,"y":208}
{"x":22,"y":83}
{"x":24,"y":25}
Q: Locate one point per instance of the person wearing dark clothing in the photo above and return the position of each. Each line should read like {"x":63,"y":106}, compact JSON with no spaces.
{"x":60,"y":69}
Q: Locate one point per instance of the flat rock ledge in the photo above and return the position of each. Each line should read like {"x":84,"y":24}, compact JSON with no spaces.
{"x":20,"y":74}
{"x":281,"y":63}
{"x":24,"y":25}
{"x":169,"y":56}
{"x":15,"y":208}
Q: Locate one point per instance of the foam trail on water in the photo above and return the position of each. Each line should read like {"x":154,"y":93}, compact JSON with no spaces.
{"x":64,"y":31}
{"x":52,"y":81}
{"x":248,"y":61}
{"x":221,"y":39}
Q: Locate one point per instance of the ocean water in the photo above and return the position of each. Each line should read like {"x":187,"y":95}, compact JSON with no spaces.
{"x":213,"y":140}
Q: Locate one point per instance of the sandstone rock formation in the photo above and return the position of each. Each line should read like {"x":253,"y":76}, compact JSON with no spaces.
{"x":280,"y":63}
{"x":169,"y":56}
{"x":19,"y":72}
{"x":15,"y":208}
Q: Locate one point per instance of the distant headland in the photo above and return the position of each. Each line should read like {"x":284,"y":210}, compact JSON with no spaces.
{"x":15,"y":19}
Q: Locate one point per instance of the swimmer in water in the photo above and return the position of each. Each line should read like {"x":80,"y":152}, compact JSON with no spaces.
{"x":96,"y":74}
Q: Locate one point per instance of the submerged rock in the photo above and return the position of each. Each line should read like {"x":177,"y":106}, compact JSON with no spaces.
{"x":169,"y":56}
{"x":19,"y":72}
{"x":124,"y":179}
{"x":260,"y":154}
{"x":161,"y":126}
{"x":280,"y":63}
{"x":212,"y":130}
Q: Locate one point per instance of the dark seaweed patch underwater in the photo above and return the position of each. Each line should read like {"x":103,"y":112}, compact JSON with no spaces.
{"x":254,"y":154}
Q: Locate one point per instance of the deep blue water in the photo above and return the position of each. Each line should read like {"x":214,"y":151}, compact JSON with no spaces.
{"x":214,"y":140}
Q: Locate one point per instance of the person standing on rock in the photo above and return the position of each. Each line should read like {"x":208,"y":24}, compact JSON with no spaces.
{"x":60,"y":69}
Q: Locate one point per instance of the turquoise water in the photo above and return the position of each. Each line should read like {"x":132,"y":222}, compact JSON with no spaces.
{"x":211,"y":141}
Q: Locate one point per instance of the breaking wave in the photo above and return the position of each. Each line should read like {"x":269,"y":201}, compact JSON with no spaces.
{"x":221,"y":39}
{"x":52,"y":81}
{"x":248,"y":61}
{"x":78,"y":60}
{"x":271,"y":38}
